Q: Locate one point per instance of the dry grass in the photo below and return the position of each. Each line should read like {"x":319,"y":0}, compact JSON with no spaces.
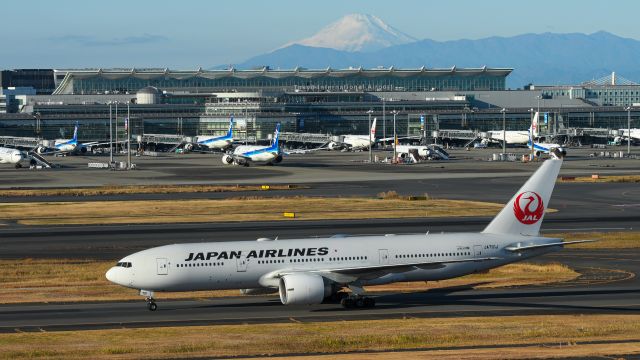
{"x":53,"y":280}
{"x":244,"y":209}
{"x":141,"y":189}
{"x":605,"y":240}
{"x":604,"y":179}
{"x":538,"y":333}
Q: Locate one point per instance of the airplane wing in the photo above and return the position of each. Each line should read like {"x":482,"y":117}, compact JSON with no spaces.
{"x":518,"y":247}
{"x":349,"y":274}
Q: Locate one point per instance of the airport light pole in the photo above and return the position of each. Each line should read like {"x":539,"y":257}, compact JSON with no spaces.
{"x":395,"y":137}
{"x":531,"y":136}
{"x":116,"y":126}
{"x":110,"y":135}
{"x":384,"y":123}
{"x":128,"y":131}
{"x":628,"y":130}
{"x":371,"y":137}
{"x":504,"y":131}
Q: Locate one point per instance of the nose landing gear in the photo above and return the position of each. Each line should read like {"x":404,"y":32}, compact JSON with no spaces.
{"x":148,"y":297}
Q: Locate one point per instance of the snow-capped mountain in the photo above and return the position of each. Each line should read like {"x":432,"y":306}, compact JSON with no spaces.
{"x":356,"y":32}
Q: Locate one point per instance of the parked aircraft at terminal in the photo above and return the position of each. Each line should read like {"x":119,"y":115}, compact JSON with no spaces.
{"x":307,"y":271}
{"x":11,"y":156}
{"x":246,"y":154}
{"x":356,"y":142}
{"x":217,"y":142}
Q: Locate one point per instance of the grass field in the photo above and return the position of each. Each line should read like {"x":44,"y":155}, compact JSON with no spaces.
{"x":605,"y":240}
{"x":46,"y":280}
{"x":142,"y":189}
{"x":541,"y":333}
{"x":235,"y":209}
{"x":603,"y":179}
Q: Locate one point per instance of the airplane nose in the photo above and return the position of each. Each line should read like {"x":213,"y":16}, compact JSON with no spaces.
{"x":111,"y":275}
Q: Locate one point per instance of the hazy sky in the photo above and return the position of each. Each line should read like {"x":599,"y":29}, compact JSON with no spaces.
{"x":189,"y":34}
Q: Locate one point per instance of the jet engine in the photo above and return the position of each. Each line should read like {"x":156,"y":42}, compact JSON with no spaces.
{"x":83,"y":149}
{"x":277,"y":159}
{"x":188,"y":146}
{"x":259,"y":291}
{"x":227,"y":159}
{"x":307,"y":289}
{"x":41,"y":149}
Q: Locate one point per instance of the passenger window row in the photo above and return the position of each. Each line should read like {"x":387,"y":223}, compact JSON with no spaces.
{"x":200,"y":264}
{"x":404,"y":256}
{"x":349,"y":258}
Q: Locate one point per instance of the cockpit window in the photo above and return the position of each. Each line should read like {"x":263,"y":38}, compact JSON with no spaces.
{"x":124,"y":264}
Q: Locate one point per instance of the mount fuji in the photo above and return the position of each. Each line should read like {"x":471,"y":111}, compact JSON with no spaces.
{"x":356,"y":32}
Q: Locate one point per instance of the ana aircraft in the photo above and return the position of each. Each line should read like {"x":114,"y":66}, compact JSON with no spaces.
{"x":356,"y":142}
{"x":217,"y":142}
{"x":540,"y":148}
{"x":67,"y":146}
{"x":512,"y":137}
{"x":246,"y":154}
{"x":307,"y":271}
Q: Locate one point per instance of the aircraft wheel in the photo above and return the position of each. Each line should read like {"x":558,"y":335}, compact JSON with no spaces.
{"x":369,"y":302}
{"x":347,"y":303}
{"x":152,"y":306}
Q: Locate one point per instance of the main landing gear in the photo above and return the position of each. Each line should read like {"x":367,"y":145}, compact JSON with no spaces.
{"x":357,"y":302}
{"x":148,"y":297}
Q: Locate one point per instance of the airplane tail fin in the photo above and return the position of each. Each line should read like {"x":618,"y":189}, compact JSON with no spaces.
{"x":372,"y":134}
{"x":276,"y":135}
{"x":75,"y":132}
{"x":230,"y":131}
{"x":524,"y":212}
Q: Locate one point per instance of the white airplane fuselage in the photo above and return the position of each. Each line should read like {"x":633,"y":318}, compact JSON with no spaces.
{"x":10,"y":156}
{"x":215,"y":142}
{"x":249,"y":264}
{"x":511,"y":137}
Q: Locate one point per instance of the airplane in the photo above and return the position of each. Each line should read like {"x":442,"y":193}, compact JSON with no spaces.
{"x":11,"y":156}
{"x":217,"y":142}
{"x":540,"y":148}
{"x":67,"y":146}
{"x":356,"y":142}
{"x":246,"y":154}
{"x":512,"y":137}
{"x":307,"y":271}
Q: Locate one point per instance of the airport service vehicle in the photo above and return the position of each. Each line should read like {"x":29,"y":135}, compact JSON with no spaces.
{"x":416,"y":152}
{"x":217,"y":142}
{"x":307,"y":271}
{"x":246,"y":154}
{"x":11,"y":156}
{"x":356,"y":142}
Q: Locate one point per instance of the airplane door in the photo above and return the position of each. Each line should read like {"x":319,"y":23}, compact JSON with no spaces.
{"x":242,"y":263}
{"x":384,"y":256}
{"x":477,"y":250}
{"x":163,"y":266}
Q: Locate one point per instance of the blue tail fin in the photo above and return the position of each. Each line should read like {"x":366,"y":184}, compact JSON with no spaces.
{"x":276,"y":135}
{"x":75,"y":132}
{"x":230,"y":131}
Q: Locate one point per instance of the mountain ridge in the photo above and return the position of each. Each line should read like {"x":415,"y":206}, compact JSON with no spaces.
{"x":544,"y":59}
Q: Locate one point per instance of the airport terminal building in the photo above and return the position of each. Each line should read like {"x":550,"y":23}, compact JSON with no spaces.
{"x":326,"y":101}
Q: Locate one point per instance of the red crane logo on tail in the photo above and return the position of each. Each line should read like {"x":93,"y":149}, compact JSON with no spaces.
{"x":528,"y":207}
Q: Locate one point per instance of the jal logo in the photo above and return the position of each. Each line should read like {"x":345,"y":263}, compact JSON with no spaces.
{"x":528,"y":207}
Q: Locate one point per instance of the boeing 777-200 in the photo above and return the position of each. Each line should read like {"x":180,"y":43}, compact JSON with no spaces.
{"x":307,"y":271}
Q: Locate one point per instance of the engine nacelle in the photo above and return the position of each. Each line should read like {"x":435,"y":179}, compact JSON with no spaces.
{"x":227,"y":159}
{"x":188,"y":146}
{"x":259,"y":291}
{"x":83,"y":149}
{"x":41,"y":149}
{"x":278,"y":159}
{"x":307,"y":289}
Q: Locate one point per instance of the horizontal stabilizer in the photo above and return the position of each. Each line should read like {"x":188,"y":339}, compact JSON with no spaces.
{"x":518,"y":247}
